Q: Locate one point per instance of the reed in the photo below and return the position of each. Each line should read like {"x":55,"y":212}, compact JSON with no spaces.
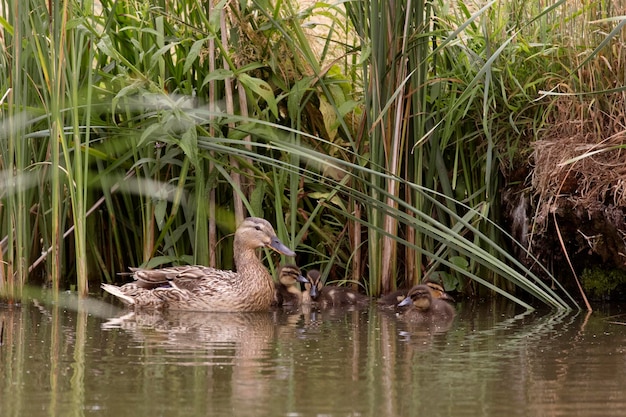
{"x":374,"y":143}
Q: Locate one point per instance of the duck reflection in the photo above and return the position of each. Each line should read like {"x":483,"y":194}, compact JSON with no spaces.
{"x":186,"y":330}
{"x":228,"y":347}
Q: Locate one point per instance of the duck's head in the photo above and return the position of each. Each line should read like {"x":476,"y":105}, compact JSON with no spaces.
{"x":255,"y":232}
{"x":288,"y":275}
{"x":314,"y":278}
{"x":419,"y":297}
{"x":437,"y":291}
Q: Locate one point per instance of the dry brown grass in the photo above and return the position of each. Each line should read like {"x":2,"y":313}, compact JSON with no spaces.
{"x":579,"y":179}
{"x":581,"y":160}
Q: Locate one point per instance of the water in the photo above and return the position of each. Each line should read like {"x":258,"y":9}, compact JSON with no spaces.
{"x":96,"y":360}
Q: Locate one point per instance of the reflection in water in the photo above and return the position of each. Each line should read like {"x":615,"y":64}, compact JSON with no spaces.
{"x":494,"y":360}
{"x":229,"y":345}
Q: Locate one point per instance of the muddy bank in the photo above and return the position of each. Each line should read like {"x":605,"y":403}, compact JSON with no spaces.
{"x":568,"y":205}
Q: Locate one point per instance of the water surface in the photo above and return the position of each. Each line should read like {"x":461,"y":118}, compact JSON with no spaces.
{"x":495,"y":360}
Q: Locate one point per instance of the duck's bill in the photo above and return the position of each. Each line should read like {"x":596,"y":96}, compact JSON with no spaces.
{"x":448,"y":297}
{"x":406,"y":302}
{"x":280,"y":247}
{"x":314,"y":292}
{"x":302,"y":279}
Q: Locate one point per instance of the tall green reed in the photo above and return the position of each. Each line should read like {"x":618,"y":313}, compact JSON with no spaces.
{"x":152,"y":126}
{"x":404,"y":126}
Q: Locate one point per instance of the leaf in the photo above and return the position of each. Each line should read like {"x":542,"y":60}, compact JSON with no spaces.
{"x":189,"y":144}
{"x":158,"y":55}
{"x":194,"y":51}
{"x":330,"y":117}
{"x":6,"y":25}
{"x":152,"y":132}
{"x":158,"y":261}
{"x":449,"y":281}
{"x":296,"y":95}
{"x":334,"y":198}
{"x":460,"y":262}
{"x":217,"y":75}
{"x":106,"y":45}
{"x":257,"y":197}
{"x":160,"y":208}
{"x":255,"y":129}
{"x":261,"y":88}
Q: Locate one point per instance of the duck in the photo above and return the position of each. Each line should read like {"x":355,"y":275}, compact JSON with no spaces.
{"x":332,"y":296}
{"x":392,"y":299}
{"x":202,"y":288}
{"x":287,"y":292}
{"x":421,"y":307}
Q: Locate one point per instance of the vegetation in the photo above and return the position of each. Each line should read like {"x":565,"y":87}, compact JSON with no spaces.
{"x":373,"y":135}
{"x":601,"y":283}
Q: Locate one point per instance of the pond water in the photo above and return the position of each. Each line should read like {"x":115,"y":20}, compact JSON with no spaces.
{"x":93,"y":358}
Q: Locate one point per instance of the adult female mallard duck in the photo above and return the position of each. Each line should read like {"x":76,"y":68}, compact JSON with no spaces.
{"x":287,"y":292}
{"x":201,"y":288}
{"x":392,"y":299}
{"x":422,"y":307}
{"x":333,"y":296}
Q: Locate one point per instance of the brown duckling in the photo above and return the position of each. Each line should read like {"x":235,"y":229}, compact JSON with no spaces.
{"x":287,"y":292}
{"x":201,"y":288}
{"x":392,"y":299}
{"x":333,"y":296}
{"x":437,"y":291}
{"x":422,"y":307}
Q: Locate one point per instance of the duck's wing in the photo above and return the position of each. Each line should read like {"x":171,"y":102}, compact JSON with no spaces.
{"x":152,"y":278}
{"x":188,"y":277}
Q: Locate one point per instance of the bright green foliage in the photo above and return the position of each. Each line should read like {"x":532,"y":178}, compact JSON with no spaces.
{"x":374,"y":145}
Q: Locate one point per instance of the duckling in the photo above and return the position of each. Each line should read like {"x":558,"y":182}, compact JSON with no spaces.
{"x":437,"y":291}
{"x":286,"y":291}
{"x":333,"y":296}
{"x":392,"y":299}
{"x":422,"y":307}
{"x":201,"y":288}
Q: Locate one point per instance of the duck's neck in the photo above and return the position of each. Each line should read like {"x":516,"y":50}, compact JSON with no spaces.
{"x":246,"y":259}
{"x":251,"y":269}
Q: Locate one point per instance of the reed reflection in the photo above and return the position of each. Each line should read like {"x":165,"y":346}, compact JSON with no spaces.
{"x":339,"y":361}
{"x":43,"y":360}
{"x":230,"y":347}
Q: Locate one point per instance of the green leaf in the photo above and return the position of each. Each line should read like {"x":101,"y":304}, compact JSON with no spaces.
{"x":189,"y":144}
{"x":153,"y":132}
{"x":217,"y":75}
{"x":261,"y":88}
{"x":160,"y":208}
{"x":296,"y":95}
{"x":158,"y":261}
{"x":193,"y":54}
{"x":334,"y":198}
{"x":6,"y":25}
{"x":257,"y":197}
{"x":459,"y":261}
